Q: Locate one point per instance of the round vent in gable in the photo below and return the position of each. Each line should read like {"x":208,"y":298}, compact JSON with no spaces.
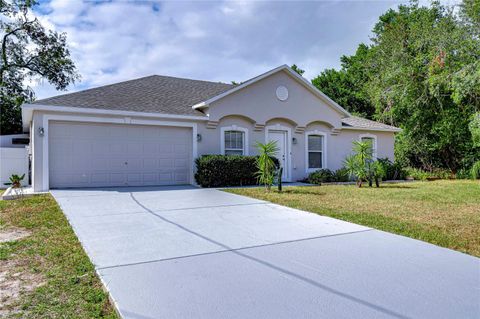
{"x":282,"y":93}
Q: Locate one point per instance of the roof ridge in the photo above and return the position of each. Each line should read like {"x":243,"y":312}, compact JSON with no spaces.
{"x":205,"y":81}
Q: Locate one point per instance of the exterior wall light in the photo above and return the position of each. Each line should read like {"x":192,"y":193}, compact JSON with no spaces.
{"x":199,"y":137}
{"x":294,"y":140}
{"x":41,"y":131}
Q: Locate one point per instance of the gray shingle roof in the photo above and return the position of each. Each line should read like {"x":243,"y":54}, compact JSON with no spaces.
{"x":153,"y":94}
{"x":360,"y":122}
{"x":163,"y":94}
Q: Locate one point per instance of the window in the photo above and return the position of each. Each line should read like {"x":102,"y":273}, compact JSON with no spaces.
{"x":234,"y":142}
{"x":315,"y":151}
{"x":372,"y":140}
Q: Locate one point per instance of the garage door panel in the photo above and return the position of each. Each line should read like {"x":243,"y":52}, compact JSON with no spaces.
{"x":78,"y":163}
{"x":59,"y":131}
{"x":99,"y":147}
{"x":166,"y":163}
{"x":166,"y":149}
{"x":150,"y":177}
{"x":115,"y":148}
{"x":81,"y":147}
{"x":117,"y":178}
{"x":181,"y":176}
{"x":81,"y":179}
{"x":135,"y":148}
{"x":181,"y":163}
{"x":99,"y":164}
{"x":100,"y":178}
{"x":96,"y":155}
{"x":61,"y":179}
{"x":166,"y":177}
{"x":150,"y":148}
{"x":150,"y":164}
{"x":117,"y":164}
{"x":135,"y":164}
{"x":117,"y":132}
{"x":150,"y":132}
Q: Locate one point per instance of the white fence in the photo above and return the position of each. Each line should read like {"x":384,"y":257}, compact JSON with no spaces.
{"x":13,"y":161}
{"x":6,"y":140}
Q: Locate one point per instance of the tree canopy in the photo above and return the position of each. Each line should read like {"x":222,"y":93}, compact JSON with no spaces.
{"x":420,"y":72}
{"x":28,"y":52}
{"x":295,"y":68}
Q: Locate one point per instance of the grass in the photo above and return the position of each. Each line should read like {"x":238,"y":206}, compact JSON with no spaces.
{"x":69,"y":286}
{"x":444,"y":213}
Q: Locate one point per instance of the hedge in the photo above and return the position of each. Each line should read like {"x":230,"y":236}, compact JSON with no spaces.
{"x":226,"y":170}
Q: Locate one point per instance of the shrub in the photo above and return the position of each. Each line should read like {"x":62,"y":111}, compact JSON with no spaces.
{"x":341,"y":175}
{"x":475,"y":171}
{"x":226,"y":170}
{"x":327,"y":176}
{"x":463,"y":174}
{"x":419,"y":174}
{"x":393,"y":171}
{"x":321,"y":176}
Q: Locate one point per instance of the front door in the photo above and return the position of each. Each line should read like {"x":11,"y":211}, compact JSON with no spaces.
{"x":281,"y":138}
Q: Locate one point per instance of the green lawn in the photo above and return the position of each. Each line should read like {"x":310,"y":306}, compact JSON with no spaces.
{"x":445,"y":213}
{"x":51,"y":261}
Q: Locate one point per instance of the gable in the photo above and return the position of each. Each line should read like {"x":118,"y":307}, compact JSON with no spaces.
{"x":264,"y":99}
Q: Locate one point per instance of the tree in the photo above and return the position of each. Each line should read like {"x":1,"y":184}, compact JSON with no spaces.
{"x":347,"y":86}
{"x":28,"y":52}
{"x":425,"y":62}
{"x":420,"y":72}
{"x":474,"y":127}
{"x":295,"y":68}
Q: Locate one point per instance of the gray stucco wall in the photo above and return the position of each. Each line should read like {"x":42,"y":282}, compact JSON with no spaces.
{"x":257,"y":107}
{"x":338,"y":145}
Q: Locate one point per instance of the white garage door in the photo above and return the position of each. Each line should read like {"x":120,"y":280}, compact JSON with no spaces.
{"x":97,"y":155}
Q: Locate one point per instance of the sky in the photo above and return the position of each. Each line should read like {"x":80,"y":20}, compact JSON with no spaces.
{"x":221,"y":41}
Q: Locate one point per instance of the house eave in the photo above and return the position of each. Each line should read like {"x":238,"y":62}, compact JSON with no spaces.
{"x":355,"y":128}
{"x":28,"y":109}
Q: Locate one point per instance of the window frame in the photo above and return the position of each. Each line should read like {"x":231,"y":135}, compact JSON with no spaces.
{"x":374,"y":138}
{"x":323,"y":151}
{"x":234,"y":128}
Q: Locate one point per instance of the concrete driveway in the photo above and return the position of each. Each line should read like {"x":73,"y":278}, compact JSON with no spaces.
{"x":184,"y":252}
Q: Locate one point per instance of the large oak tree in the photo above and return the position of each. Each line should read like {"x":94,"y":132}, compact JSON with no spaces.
{"x":28,"y":52}
{"x":421,"y":72}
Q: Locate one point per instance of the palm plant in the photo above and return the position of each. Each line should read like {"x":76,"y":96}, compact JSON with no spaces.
{"x":376,"y":173}
{"x":350,"y":164}
{"x":359,"y":165}
{"x":16,"y":180}
{"x":265,"y":163}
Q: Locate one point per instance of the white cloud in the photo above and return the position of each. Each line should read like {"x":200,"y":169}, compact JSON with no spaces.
{"x":217,"y":41}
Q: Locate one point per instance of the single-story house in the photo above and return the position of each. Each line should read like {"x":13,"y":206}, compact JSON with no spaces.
{"x":149,"y":131}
